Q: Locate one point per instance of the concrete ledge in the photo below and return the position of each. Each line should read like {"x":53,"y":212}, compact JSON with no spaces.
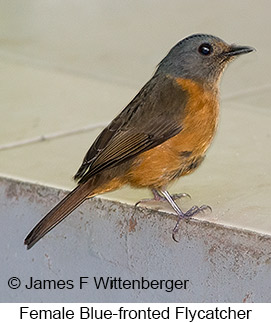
{"x":109,"y":239}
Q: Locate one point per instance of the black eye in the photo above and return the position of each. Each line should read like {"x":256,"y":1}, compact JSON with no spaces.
{"x":205,"y":49}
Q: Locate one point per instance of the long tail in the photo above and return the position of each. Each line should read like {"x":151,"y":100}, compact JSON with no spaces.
{"x":58,"y":213}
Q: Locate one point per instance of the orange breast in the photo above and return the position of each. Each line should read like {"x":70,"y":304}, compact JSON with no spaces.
{"x":158,"y":166}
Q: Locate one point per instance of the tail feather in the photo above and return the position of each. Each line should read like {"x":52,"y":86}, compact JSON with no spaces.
{"x":58,"y":213}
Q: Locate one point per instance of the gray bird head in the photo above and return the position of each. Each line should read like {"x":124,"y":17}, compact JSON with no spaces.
{"x":201,"y":58}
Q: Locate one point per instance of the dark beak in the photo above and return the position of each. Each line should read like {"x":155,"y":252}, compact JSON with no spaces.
{"x":238,"y":50}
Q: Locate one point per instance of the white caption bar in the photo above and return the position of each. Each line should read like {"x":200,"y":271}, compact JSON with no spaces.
{"x":130,"y":312}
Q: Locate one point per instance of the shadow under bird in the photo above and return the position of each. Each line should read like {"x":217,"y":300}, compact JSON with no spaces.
{"x":161,"y":135}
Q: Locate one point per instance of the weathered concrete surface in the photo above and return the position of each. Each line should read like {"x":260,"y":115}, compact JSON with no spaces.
{"x":105,"y":238}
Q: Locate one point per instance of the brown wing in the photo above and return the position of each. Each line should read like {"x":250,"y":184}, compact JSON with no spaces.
{"x":151,"y":118}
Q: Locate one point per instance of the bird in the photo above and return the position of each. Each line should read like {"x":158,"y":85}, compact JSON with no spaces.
{"x":160,"y":136}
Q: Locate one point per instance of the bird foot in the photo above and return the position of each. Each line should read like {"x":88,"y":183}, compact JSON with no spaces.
{"x":188,"y":214}
{"x":164,"y":196}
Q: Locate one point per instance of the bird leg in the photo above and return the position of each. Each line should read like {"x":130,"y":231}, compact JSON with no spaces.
{"x":158,"y":197}
{"x":193,"y":211}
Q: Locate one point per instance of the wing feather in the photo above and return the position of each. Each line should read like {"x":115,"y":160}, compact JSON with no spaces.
{"x":151,"y":118}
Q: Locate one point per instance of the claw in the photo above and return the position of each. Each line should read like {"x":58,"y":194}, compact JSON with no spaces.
{"x":174,"y":237}
{"x":137,"y":203}
{"x":180,"y":195}
{"x":206,"y":207}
